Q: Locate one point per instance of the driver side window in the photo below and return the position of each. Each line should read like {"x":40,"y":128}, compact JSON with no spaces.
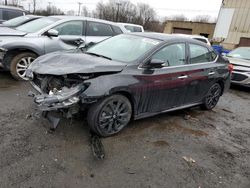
{"x":174,"y":54}
{"x":70,"y":28}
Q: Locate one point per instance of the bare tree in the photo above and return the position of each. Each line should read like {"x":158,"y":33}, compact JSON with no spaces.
{"x":50,"y":10}
{"x":85,"y":12}
{"x":70,"y":13}
{"x":146,"y":14}
{"x":202,"y":18}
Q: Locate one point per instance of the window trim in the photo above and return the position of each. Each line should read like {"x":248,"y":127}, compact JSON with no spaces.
{"x":83,"y":25}
{"x":141,"y":65}
{"x":189,"y":52}
{"x":87,"y":26}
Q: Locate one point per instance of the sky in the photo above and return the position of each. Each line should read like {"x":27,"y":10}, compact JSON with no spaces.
{"x":189,"y":8}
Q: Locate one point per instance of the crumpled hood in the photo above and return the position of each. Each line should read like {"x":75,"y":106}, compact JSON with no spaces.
{"x":6,"y":31}
{"x":60,"y":63}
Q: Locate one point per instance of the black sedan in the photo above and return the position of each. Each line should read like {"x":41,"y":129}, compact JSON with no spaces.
{"x":130,"y":76}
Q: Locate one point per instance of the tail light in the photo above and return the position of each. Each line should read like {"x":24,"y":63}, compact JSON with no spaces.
{"x":230,"y":67}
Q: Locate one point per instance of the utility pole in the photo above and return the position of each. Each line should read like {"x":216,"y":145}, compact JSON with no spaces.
{"x":29,"y":7}
{"x":49,"y":11}
{"x":118,"y":8}
{"x":5,"y":2}
{"x":79,"y":10}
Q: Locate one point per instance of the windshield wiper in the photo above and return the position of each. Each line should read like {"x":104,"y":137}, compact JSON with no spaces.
{"x":98,"y":55}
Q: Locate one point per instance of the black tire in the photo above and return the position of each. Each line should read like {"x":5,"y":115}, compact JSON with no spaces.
{"x":29,"y":56}
{"x":212,"y":97}
{"x":109,"y":115}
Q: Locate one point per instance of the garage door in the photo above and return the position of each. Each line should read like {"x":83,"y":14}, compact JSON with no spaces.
{"x":182,"y":31}
{"x":244,"y":41}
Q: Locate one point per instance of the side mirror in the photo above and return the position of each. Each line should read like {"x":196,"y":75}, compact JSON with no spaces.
{"x":157,"y":63}
{"x":52,"y":33}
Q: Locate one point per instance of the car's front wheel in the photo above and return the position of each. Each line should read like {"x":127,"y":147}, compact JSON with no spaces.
{"x":212,"y":97}
{"x":20,"y":63}
{"x":110,"y":115}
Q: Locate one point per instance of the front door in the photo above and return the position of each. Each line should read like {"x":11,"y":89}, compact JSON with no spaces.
{"x":165,"y":87}
{"x":70,"y":34}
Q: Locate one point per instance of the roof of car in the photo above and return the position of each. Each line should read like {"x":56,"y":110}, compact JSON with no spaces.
{"x":158,"y":36}
{"x":190,"y":36}
{"x":83,"y":18}
{"x":131,"y":24}
{"x":33,"y":16}
{"x":11,"y":7}
{"x":167,"y":37}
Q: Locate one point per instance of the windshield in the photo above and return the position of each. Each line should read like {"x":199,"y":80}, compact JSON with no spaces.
{"x":16,"y":21}
{"x":124,"y":48}
{"x":133,"y":28}
{"x":37,"y":25}
{"x":242,"y":53}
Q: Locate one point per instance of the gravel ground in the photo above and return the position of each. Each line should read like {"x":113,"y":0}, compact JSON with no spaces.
{"x":188,"y":148}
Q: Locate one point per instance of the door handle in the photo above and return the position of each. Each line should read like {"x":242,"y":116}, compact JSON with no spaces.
{"x":183,"y":77}
{"x":211,"y":73}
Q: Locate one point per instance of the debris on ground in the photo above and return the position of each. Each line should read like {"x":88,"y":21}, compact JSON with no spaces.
{"x":226,"y":110}
{"x":33,"y":116}
{"x":97,"y":146}
{"x":188,"y":159}
{"x":129,"y":171}
{"x":189,"y":117}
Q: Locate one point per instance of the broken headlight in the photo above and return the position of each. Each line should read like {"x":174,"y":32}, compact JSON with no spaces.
{"x":59,"y":98}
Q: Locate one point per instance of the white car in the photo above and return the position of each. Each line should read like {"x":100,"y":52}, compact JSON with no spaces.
{"x":196,"y":37}
{"x":131,"y":27}
{"x":240,"y":59}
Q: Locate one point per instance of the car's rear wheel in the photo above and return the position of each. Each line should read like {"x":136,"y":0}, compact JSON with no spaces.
{"x":20,"y":63}
{"x":212,"y":97}
{"x":110,"y":115}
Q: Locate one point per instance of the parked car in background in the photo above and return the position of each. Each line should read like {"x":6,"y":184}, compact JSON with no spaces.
{"x":131,"y":27}
{"x":15,"y":22}
{"x":196,"y":37}
{"x":9,"y":12}
{"x":20,"y":46}
{"x":240,"y":59}
{"x":129,"y":76}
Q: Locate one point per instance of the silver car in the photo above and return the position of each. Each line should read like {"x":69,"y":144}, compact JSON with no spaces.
{"x":240,"y":59}
{"x":20,"y":46}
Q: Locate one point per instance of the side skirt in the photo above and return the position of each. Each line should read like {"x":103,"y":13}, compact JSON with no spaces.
{"x":150,"y":114}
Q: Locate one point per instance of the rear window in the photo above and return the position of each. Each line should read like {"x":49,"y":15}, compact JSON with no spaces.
{"x":9,"y":14}
{"x":99,"y":29}
{"x":116,"y":30}
{"x":133,"y":28}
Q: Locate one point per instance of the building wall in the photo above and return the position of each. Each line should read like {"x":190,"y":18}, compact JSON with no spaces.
{"x":240,"y":25}
{"x":197,"y":27}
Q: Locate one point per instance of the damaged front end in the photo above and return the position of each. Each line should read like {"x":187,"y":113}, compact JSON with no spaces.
{"x":58,"y":94}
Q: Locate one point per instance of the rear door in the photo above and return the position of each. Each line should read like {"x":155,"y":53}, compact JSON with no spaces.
{"x":70,"y":34}
{"x":202,"y":72}
{"x":97,"y":32}
{"x":165,"y":87}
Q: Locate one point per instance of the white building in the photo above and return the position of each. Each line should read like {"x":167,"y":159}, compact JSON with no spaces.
{"x":233,"y":24}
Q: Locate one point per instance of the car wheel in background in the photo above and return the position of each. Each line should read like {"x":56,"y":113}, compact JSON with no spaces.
{"x":110,"y":115}
{"x":212,"y":97}
{"x":20,"y":63}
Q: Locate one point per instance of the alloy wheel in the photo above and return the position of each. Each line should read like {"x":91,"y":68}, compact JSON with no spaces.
{"x":23,"y":65}
{"x":114,"y":116}
{"x":213,"y":96}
